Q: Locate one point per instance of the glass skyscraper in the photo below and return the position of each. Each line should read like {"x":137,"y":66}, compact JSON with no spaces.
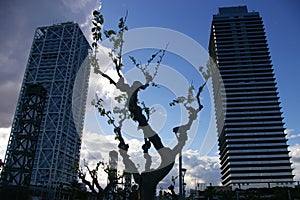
{"x":45,"y":139}
{"x":252,"y":144}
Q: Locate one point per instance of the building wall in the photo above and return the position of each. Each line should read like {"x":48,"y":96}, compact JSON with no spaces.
{"x":57,"y":54}
{"x":252,"y":143}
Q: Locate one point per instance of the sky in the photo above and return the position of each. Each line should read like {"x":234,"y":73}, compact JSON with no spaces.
{"x":188,"y":20}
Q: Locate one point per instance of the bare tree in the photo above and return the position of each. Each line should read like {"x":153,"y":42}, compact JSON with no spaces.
{"x":138,"y":112}
{"x":90,"y":177}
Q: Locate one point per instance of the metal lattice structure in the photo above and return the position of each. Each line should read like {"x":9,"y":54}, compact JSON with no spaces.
{"x":57,"y":60}
{"x":23,"y":141}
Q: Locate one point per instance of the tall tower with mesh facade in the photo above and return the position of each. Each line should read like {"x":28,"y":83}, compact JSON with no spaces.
{"x":57,"y":61}
{"x":252,"y":143}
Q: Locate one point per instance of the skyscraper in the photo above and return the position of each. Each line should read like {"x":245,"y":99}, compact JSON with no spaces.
{"x":46,"y":132}
{"x":252,"y":143}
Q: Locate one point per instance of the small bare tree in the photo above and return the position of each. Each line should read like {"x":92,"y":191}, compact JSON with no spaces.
{"x":134,"y":109}
{"x":90,"y":177}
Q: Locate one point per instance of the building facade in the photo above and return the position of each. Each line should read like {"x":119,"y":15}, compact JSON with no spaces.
{"x":252,"y":144}
{"x":57,"y":61}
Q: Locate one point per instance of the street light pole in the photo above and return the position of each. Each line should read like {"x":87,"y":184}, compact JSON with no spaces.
{"x":180,"y":175}
{"x":183,"y":171}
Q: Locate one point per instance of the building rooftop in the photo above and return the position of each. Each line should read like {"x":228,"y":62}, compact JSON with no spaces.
{"x":233,"y":10}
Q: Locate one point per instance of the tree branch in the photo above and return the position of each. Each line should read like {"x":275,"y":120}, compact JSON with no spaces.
{"x":122,"y":27}
{"x":86,"y":182}
{"x":198,"y":95}
{"x":93,"y":174}
{"x":111,"y":81}
{"x":148,"y":162}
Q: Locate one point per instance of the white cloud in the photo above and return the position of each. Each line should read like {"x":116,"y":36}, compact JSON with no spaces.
{"x":103,"y":88}
{"x":96,"y":147}
{"x":87,"y":25}
{"x":77,"y":5}
{"x":291,"y":134}
{"x":199,"y":169}
{"x":294,"y":136}
{"x":4,"y":135}
{"x":288,"y":131}
{"x":9,"y":96}
{"x":202,"y":168}
{"x":295,"y":154}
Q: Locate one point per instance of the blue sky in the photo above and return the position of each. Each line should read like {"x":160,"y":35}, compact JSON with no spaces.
{"x":192,"y":18}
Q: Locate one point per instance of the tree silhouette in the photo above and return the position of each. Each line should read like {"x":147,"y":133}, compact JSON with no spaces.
{"x":89,"y":177}
{"x":135,"y":109}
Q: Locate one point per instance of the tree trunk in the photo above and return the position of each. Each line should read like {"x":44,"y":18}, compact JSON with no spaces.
{"x":150,"y":180}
